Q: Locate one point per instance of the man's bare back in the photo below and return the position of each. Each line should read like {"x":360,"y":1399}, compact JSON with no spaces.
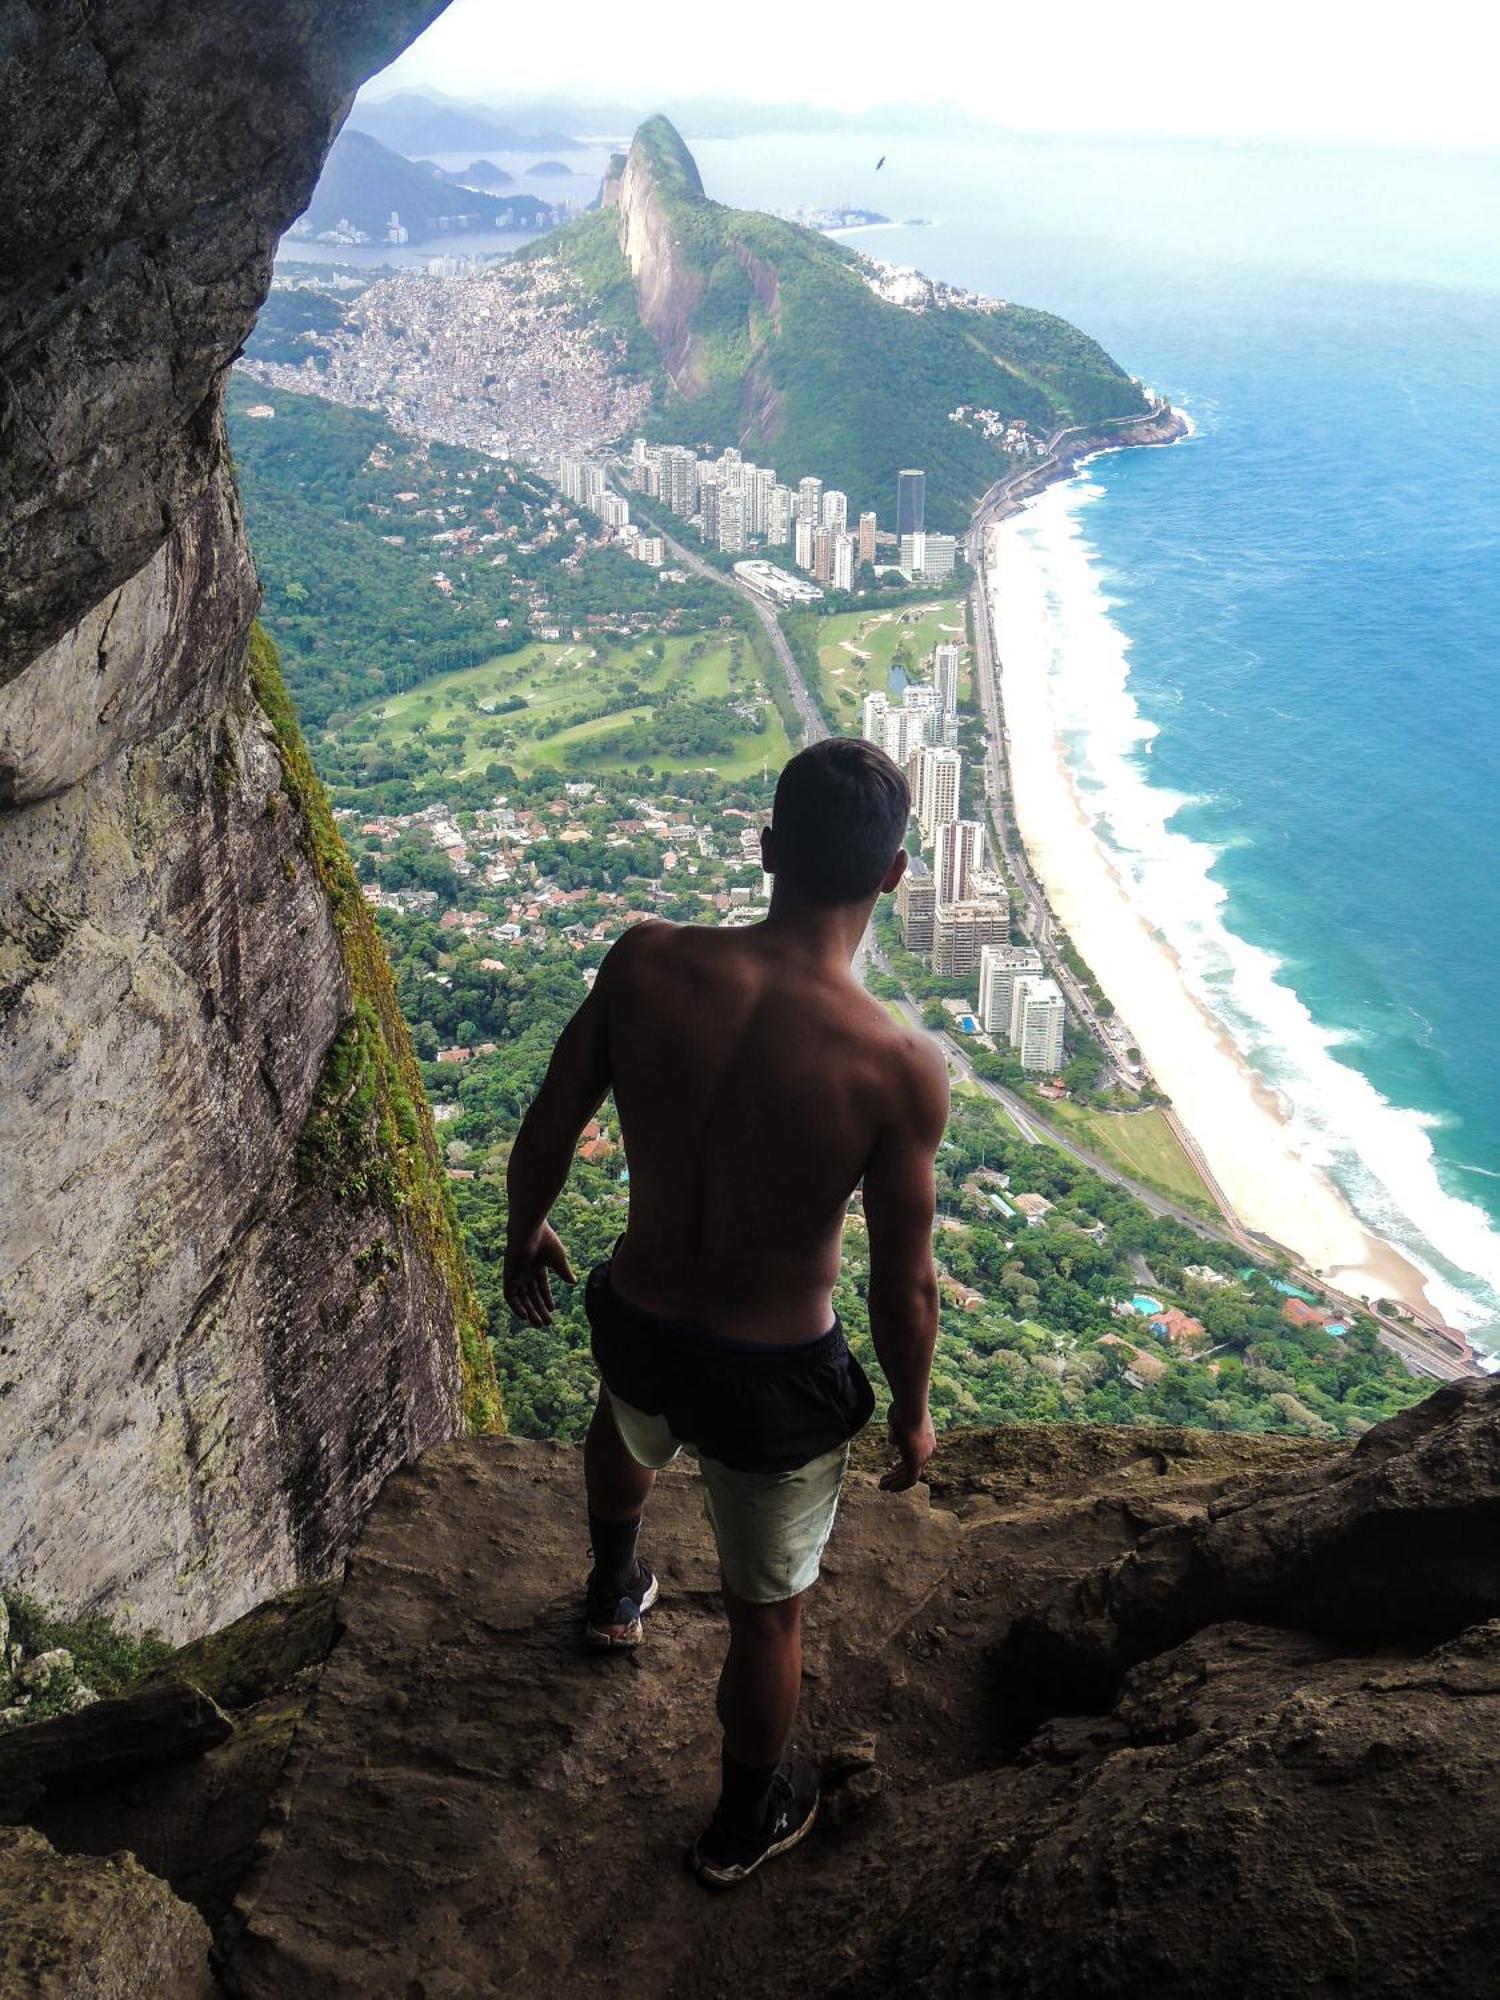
{"x":753,"y":1079}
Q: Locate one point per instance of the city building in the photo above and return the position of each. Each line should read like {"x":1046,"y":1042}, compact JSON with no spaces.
{"x":822,"y":554}
{"x":922,"y":701}
{"x":1000,"y":966}
{"x":867,"y":538}
{"x":914,"y":553}
{"x":802,"y":546}
{"x":960,"y":931}
{"x":916,"y":898}
{"x":650,"y":549}
{"x":777,"y":586}
{"x":835,"y":510}
{"x":731,"y":530}
{"x":957,"y":855}
{"x":876,"y":708}
{"x":779,"y":511}
{"x":938,"y":773}
{"x":614,"y":511}
{"x":810,"y":500}
{"x":939,"y":556}
{"x":843,"y":562}
{"x":1037,"y":1015}
{"x":945,"y":671}
{"x":911,"y":503}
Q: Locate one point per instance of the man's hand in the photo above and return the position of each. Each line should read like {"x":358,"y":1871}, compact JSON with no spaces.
{"x":915,"y":1442}
{"x":528,"y":1274}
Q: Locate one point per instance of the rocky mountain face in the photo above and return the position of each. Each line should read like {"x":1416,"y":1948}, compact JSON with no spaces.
{"x":230,"y":1299}
{"x":1107,"y":1712}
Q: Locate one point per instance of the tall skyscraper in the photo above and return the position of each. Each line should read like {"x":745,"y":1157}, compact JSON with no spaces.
{"x":945,"y":660}
{"x":1037,"y":1019}
{"x":810,"y":500}
{"x":778,"y":523}
{"x":731,"y":534}
{"x":843,"y":562}
{"x":922,"y":702}
{"x":873,"y":718}
{"x":957,"y":855}
{"x":835,"y":510}
{"x":804,"y":542}
{"x":938,"y":771}
{"x":911,"y":502}
{"x":1000,"y":966}
{"x":915,"y":898}
{"x":822,"y":554}
{"x":867,"y":538}
{"x":960,"y":931}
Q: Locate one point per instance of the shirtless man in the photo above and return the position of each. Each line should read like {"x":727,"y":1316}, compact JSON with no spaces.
{"x":757,"y":1086}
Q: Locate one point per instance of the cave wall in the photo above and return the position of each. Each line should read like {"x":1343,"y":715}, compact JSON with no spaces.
{"x":230,"y":1294}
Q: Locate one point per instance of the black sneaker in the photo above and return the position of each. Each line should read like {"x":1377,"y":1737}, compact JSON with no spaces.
{"x":726,"y":1853}
{"x":613,"y":1621}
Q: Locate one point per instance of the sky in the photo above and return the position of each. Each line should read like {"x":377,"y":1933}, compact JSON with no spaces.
{"x":1372,"y":72}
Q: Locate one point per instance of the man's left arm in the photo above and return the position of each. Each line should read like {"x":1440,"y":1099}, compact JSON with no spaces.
{"x":573,"y":1089}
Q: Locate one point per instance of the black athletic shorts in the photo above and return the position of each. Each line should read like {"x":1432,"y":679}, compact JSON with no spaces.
{"x":753,"y":1406}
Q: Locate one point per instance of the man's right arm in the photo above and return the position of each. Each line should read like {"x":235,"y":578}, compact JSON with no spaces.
{"x":903,"y":1296}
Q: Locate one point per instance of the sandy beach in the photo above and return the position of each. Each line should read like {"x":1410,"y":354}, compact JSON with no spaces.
{"x":1232,"y":1115}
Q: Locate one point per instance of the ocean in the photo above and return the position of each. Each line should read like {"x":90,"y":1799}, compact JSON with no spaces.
{"x":1279,"y":643}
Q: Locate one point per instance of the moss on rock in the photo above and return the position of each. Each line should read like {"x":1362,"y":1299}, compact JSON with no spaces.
{"x":369,"y":1134}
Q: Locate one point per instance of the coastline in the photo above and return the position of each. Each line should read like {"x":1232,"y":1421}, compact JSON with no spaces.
{"x":1232,"y":1115}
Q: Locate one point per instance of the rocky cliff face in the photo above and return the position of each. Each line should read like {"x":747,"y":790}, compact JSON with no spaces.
{"x":229,"y":1296}
{"x":659,"y":171}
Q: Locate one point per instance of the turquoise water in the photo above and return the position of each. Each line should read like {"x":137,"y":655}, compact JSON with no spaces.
{"x":1309,"y":592}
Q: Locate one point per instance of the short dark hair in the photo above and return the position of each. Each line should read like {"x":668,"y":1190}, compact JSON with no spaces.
{"x":838,"y":820}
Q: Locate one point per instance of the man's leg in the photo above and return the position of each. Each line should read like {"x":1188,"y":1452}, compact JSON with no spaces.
{"x":617,"y":1485}
{"x":761,"y":1680}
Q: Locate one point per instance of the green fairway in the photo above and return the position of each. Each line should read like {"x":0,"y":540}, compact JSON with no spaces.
{"x":857,"y":649}
{"x":581,"y":708}
{"x":1140,"y":1142}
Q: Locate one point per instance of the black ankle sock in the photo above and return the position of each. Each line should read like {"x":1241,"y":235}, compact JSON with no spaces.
{"x":613,"y":1543}
{"x":746,"y":1788}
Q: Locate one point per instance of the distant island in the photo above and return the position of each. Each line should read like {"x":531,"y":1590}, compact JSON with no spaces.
{"x":834,"y":218}
{"x":550,"y":167}
{"x":482,"y":174}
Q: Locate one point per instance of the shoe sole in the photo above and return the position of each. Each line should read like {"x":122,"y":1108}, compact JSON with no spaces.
{"x":731,"y":1878}
{"x":606,"y":1639}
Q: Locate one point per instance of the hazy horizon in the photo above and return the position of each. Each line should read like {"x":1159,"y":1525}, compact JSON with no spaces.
{"x":1337,"y":74}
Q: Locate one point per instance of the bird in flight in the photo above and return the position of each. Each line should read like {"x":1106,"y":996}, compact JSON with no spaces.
{"x":880,"y":163}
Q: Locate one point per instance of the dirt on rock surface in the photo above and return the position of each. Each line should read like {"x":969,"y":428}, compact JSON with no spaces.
{"x":476,"y":1806}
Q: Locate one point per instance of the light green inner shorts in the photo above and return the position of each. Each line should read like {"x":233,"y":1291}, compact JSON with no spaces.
{"x":771,"y":1527}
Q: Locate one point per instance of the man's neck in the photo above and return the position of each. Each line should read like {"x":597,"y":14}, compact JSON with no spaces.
{"x":828,"y":931}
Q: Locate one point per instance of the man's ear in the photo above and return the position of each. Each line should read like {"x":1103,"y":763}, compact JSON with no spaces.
{"x":896,"y":870}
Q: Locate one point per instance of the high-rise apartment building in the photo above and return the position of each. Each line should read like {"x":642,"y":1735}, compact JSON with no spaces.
{"x":710,"y":496}
{"x":614,"y":511}
{"x":835,"y":510}
{"x":945,"y":667}
{"x":731,"y":523}
{"x":960,"y":931}
{"x":810,"y":500}
{"x":915,"y":903}
{"x":911,"y":502}
{"x":822,"y":555}
{"x":873,"y":717}
{"x":938,"y":773}
{"x":957,"y":856}
{"x":843,"y":562}
{"x":1000,"y":966}
{"x":803,"y":547}
{"x":939,"y":556}
{"x":922,"y":701}
{"x":914,"y":553}
{"x":779,"y":511}
{"x":1038,"y":1016}
{"x":867,"y":538}
{"x":679,"y":481}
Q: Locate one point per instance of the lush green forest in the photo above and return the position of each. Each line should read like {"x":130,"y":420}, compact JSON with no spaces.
{"x":787,"y":333}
